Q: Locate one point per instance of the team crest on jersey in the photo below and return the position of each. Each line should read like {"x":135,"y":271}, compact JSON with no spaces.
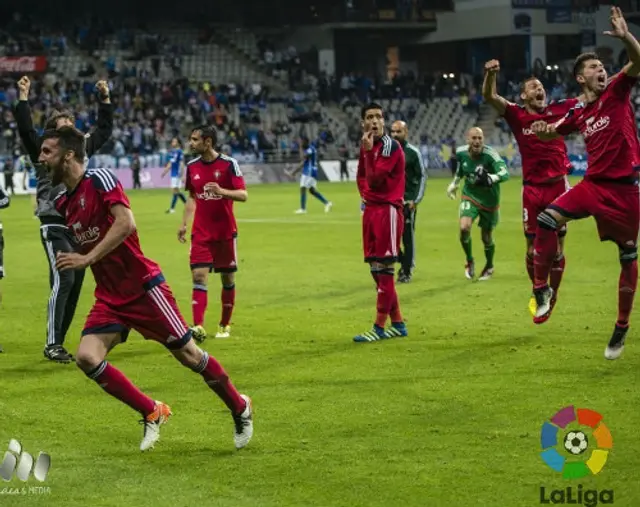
{"x":216,"y":175}
{"x":82,"y":202}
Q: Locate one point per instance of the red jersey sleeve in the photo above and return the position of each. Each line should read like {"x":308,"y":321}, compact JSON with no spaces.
{"x":512,"y":115}
{"x":622,"y":84}
{"x":188,"y":186}
{"x":378,"y":167}
{"x":237,"y":180}
{"x":108,"y":187}
{"x":568,"y":124}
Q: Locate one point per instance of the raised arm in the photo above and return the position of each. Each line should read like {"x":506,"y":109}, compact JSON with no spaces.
{"x":490,"y":88}
{"x":104,"y":123}
{"x":122,"y":227}
{"x":620,"y":30}
{"x":22,"y":113}
{"x":376,"y":169}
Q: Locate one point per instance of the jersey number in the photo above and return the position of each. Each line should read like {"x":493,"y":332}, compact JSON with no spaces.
{"x":465,"y":206}
{"x":525,"y":215}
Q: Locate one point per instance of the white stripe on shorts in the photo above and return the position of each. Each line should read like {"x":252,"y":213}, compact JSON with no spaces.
{"x":393,"y":217}
{"x":161,"y":302}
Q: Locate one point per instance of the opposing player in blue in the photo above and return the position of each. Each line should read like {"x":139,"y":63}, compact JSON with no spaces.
{"x":309,"y":178}
{"x":175,"y":165}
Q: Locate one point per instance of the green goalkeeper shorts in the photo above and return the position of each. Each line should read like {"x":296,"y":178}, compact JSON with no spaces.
{"x":488,"y":219}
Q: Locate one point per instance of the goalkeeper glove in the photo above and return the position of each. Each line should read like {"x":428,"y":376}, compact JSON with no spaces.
{"x":451,"y":190}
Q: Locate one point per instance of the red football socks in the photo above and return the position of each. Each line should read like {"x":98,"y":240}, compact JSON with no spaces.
{"x":114,"y":382}
{"x":386,"y":296}
{"x":529,"y":262}
{"x":545,"y":247}
{"x":395,"y":314}
{"x":228,"y":298}
{"x":557,"y":270}
{"x":218,"y":380}
{"x":199,"y":304}
{"x":627,"y":290}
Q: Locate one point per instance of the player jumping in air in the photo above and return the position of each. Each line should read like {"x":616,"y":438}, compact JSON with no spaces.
{"x":483,"y":169}
{"x":175,"y":165}
{"x":609,"y":190}
{"x":131,"y":292}
{"x":544,"y":165}
{"x":381,"y":183}
{"x":214,"y":182}
{"x":309,"y":177}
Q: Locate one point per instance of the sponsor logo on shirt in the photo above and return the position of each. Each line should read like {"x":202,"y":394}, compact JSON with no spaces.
{"x":86,"y":236}
{"x":594,"y":125}
{"x":207,"y":194}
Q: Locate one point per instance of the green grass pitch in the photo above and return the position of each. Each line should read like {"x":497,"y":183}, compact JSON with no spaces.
{"x":449,"y":416}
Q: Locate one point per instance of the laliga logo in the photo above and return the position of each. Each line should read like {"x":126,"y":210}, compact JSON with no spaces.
{"x":593,"y":127}
{"x":83,"y":237}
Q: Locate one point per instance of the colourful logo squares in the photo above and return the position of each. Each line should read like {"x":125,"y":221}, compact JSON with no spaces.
{"x":564,"y":431}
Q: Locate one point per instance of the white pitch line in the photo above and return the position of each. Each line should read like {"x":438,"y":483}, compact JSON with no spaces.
{"x":304,"y":221}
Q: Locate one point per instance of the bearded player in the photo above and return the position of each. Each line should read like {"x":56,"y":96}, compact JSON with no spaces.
{"x":131,"y":292}
{"x":609,"y":190}
{"x":544,"y":165}
{"x":214,"y":182}
{"x":381,"y":182}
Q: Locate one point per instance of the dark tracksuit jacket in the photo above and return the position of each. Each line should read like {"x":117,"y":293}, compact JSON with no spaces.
{"x":415,"y":184}
{"x":65,"y":285}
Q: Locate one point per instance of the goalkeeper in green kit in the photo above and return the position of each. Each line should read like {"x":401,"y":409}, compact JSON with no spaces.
{"x":483,"y":170}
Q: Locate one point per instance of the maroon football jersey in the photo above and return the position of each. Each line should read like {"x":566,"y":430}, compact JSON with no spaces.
{"x":122,"y":275}
{"x":542,"y":161}
{"x":608,"y":127}
{"x":381,"y":176}
{"x":214,"y":219}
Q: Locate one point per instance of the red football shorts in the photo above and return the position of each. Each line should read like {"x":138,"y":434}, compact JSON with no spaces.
{"x":382,"y":226}
{"x":535,"y":199}
{"x":219,"y":256}
{"x":155,"y":316}
{"x":615,"y":207}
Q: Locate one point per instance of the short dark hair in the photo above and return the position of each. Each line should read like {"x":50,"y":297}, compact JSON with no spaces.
{"x":52,"y":121}
{"x":368,"y":107}
{"x":523,"y":85}
{"x":69,"y":139}
{"x":578,"y":65}
{"x":207,"y":132}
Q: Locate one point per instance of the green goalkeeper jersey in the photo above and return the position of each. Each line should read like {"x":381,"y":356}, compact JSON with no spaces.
{"x":486,"y":198}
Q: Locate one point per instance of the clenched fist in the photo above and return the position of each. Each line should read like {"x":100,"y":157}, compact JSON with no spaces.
{"x":24,"y":85}
{"x":492,"y":66}
{"x":103,"y":90}
{"x":540,"y":127}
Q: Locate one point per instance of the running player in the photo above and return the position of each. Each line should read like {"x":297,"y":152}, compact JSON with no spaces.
{"x":175,"y":165}
{"x":309,"y":177}
{"x":483,"y":169}
{"x":131,"y":292}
